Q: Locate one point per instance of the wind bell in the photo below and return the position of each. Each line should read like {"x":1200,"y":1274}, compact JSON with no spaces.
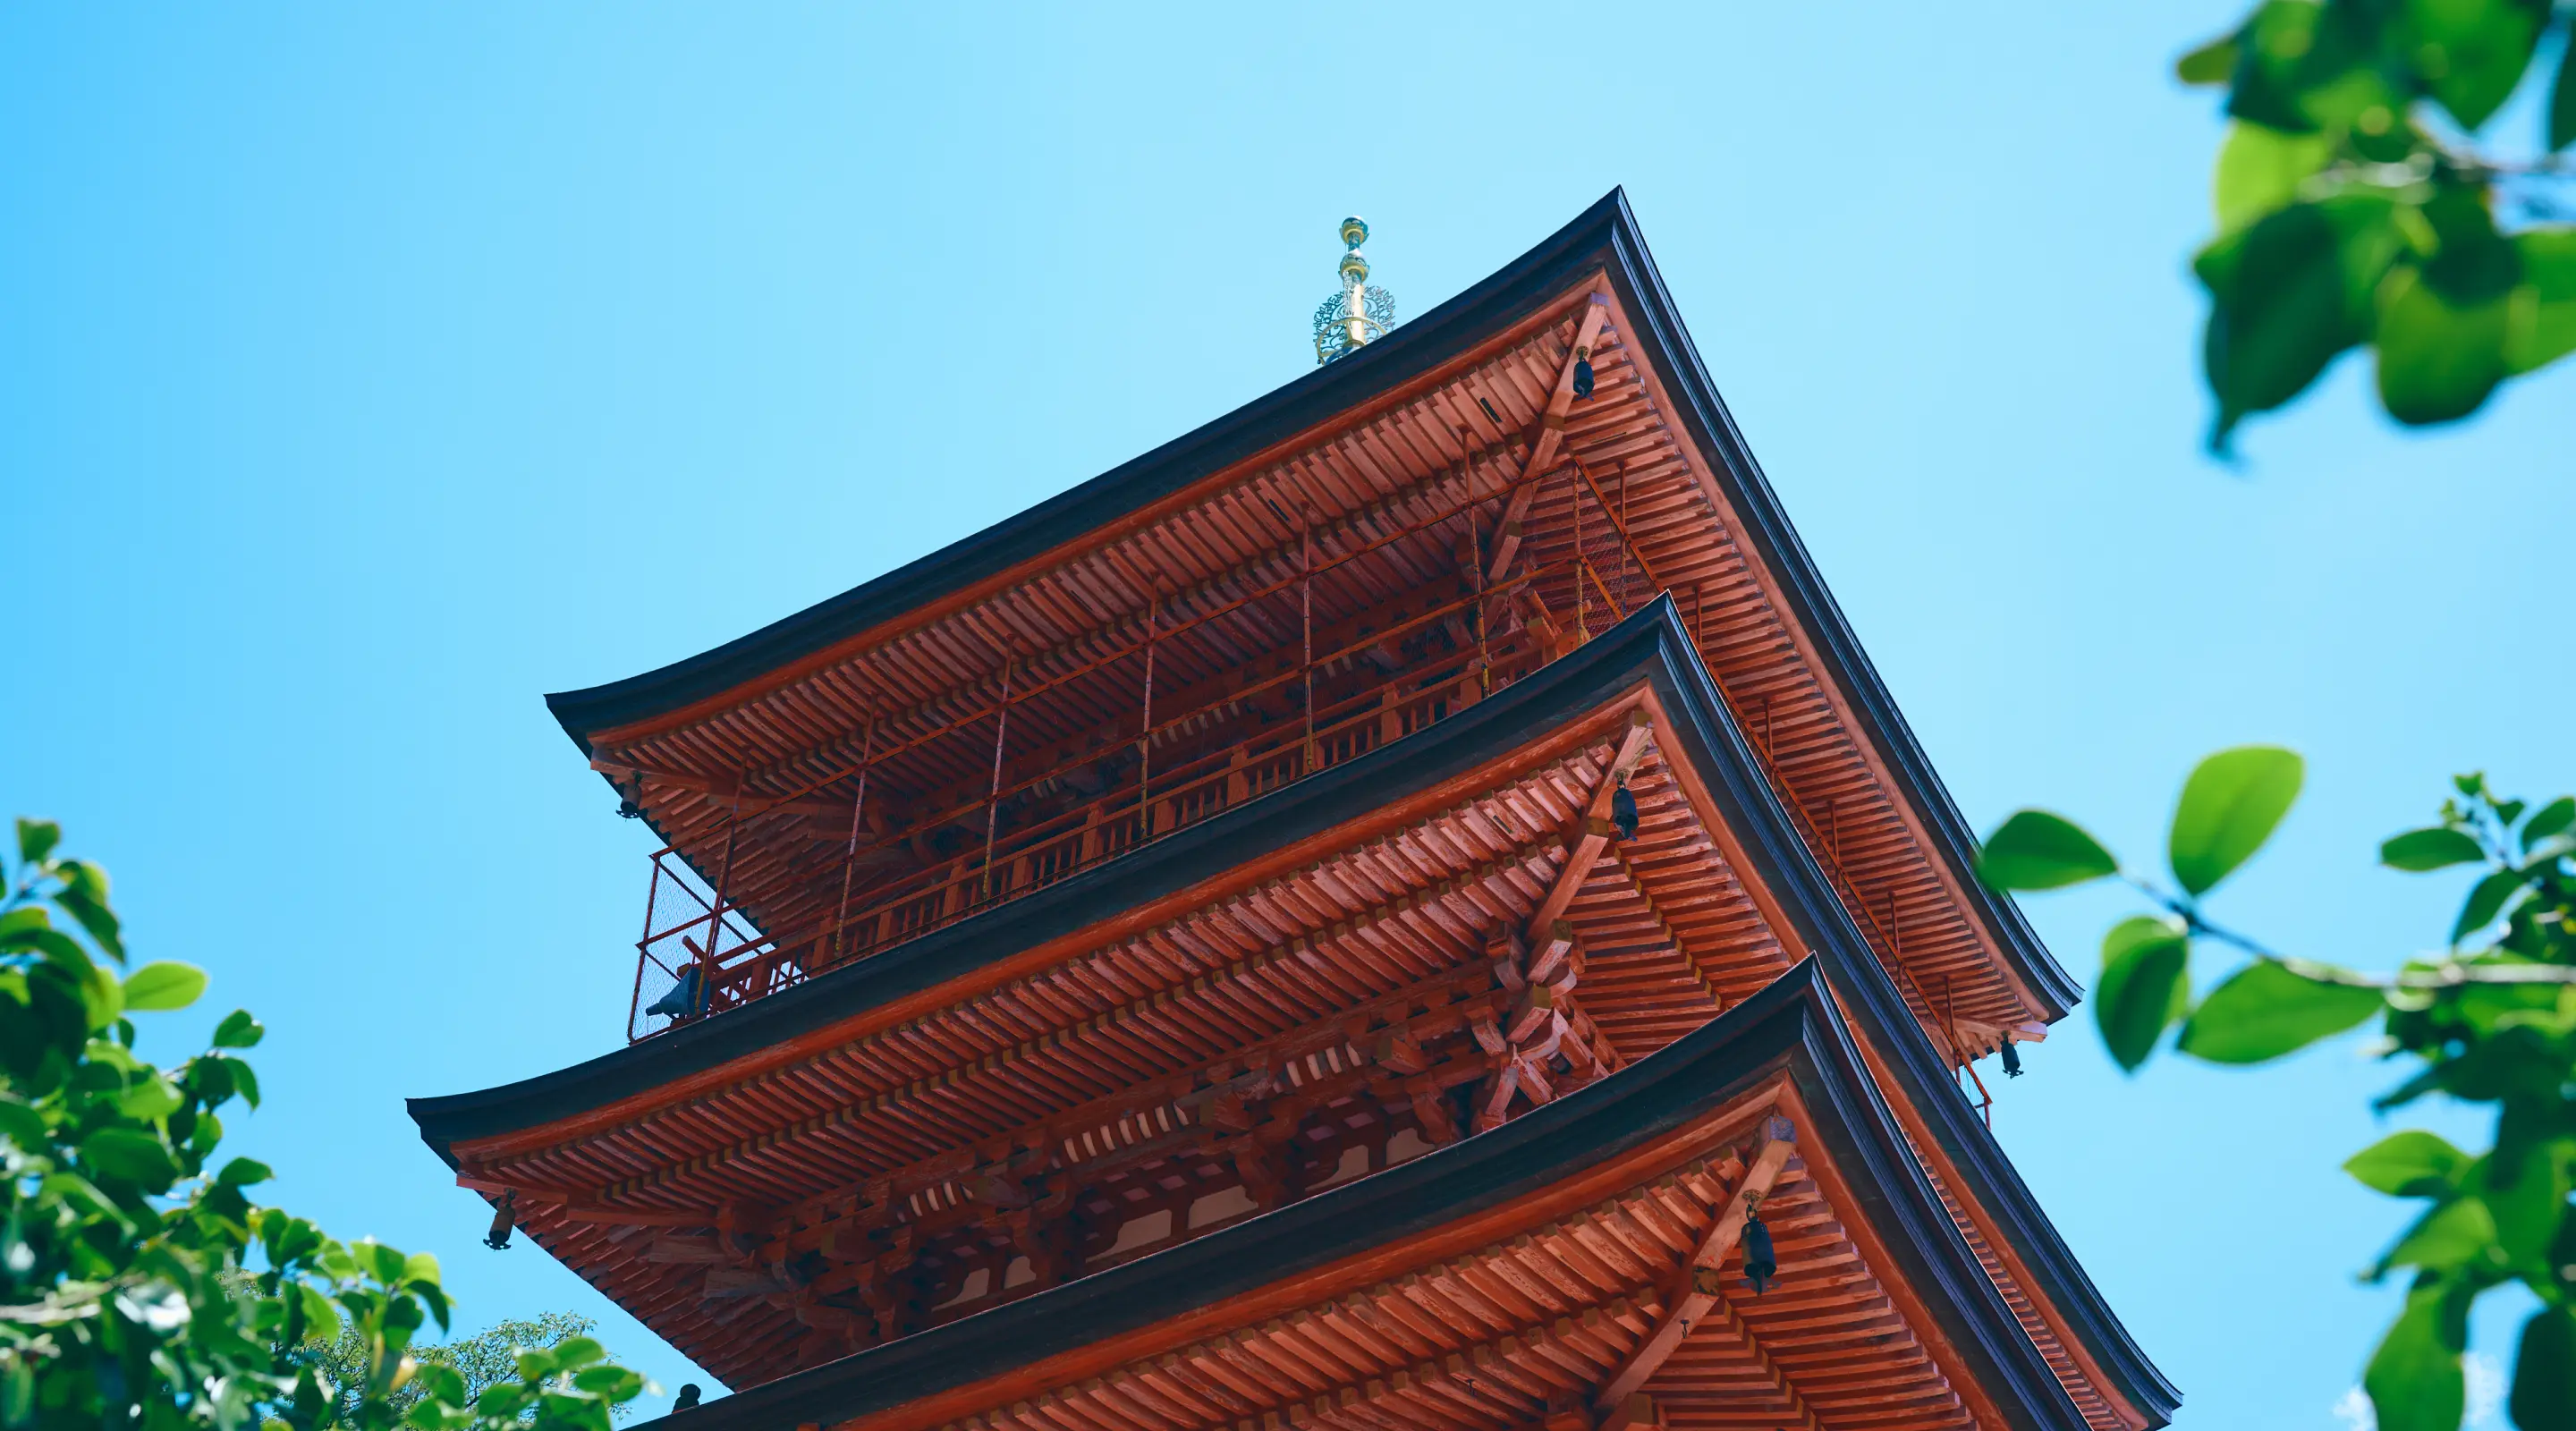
{"x":1760,"y":1260}
{"x":1623,"y":810}
{"x":498,"y":1239}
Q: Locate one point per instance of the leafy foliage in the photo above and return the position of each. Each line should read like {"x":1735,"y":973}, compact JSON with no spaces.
{"x":140,"y":1289}
{"x":487,"y":1359}
{"x":2354,"y":211}
{"x":2490,"y":1020}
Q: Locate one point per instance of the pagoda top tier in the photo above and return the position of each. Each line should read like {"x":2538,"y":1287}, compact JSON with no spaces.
{"x":1434,"y":514}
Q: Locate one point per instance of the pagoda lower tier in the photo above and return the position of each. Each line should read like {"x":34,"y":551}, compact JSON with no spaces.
{"x":1583,"y":1268}
{"x":1452,"y":1017}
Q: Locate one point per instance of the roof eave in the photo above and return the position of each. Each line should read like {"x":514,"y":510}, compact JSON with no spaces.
{"x":1788,"y":1027}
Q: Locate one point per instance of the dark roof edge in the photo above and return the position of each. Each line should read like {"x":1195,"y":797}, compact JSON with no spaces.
{"x":1790,"y":1022}
{"x":1641,"y":289}
{"x":1725,"y":758}
{"x":1405,"y":352}
{"x":1332,"y":797}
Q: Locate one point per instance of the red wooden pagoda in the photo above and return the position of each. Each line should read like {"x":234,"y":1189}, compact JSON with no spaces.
{"x":1404,"y":909}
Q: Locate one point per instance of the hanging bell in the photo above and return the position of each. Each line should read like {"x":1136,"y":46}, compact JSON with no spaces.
{"x":1760,"y":1262}
{"x":2012,"y":1058}
{"x":1583,"y":373}
{"x":498,"y":1239}
{"x":1623,"y":810}
{"x":627,"y":809}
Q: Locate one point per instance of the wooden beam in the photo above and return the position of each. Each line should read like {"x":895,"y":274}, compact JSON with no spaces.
{"x":1695,"y":1289}
{"x":1544,"y":442}
{"x":1592,"y":834}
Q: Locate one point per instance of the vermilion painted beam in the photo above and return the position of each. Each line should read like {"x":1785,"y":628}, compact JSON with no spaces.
{"x":1585,"y":844}
{"x":1544,"y":442}
{"x":1695,"y":1290}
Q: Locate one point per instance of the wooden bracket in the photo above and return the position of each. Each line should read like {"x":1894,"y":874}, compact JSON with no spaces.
{"x":1692,"y":1294}
{"x":1546,"y":440}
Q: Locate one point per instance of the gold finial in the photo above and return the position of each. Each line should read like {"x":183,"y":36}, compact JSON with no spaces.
{"x":1359,"y":314}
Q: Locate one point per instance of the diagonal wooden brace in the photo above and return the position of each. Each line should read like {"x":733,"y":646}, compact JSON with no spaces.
{"x":1693,"y":1294}
{"x":1545,"y":441}
{"x":1585,"y":844}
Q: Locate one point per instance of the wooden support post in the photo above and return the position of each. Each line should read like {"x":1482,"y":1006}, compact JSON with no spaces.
{"x":1306,"y":633}
{"x":993,"y":802}
{"x":1145,"y":729}
{"x":850,"y":859}
{"x":1695,"y":1290}
{"x":1544,"y":442}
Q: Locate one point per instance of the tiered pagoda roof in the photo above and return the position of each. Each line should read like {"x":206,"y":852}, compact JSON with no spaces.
{"x":1338,"y":921}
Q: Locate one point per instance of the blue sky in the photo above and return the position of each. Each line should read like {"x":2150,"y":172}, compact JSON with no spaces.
{"x":366,"y":372}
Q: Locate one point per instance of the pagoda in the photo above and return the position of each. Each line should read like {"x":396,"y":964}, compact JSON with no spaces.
{"x":1403,"y":909}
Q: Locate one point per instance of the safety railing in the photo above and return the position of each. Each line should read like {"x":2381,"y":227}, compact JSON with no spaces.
{"x":700,"y":954}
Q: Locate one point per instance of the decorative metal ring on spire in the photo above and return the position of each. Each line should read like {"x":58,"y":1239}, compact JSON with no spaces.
{"x":1359,"y":314}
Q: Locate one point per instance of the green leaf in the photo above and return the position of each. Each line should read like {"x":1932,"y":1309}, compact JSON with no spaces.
{"x":2144,"y":961}
{"x":2458,"y":1231}
{"x":2548,"y":820}
{"x":238,"y":1030}
{"x":2486,"y":901}
{"x":2437,"y":363}
{"x":37,"y":838}
{"x":2414,"y":1379}
{"x":242,"y":1172}
{"x":2540,"y":325}
{"x":101,"y":996}
{"x":2267,"y":1009}
{"x":2431,"y":849}
{"x":2409,"y":1164}
{"x":164,"y":985}
{"x":2260,"y":169}
{"x":2037,"y":850}
{"x":244,"y":1082}
{"x":2544,"y":1368}
{"x":421,"y":1269}
{"x":2526,"y":1206}
{"x":149,"y":1099}
{"x":2211,"y":63}
{"x":2307,"y":66}
{"x":22,"y":1125}
{"x":319,"y":1312}
{"x":2470,"y":53}
{"x":131,"y":1154}
{"x":84,"y":898}
{"x":2230,"y":806}
{"x":2288,"y":293}
{"x":2442,"y":325}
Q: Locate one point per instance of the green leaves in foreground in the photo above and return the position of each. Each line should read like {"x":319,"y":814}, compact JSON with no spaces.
{"x":2491,"y":1021}
{"x":127,"y":1239}
{"x":2347,"y":220}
